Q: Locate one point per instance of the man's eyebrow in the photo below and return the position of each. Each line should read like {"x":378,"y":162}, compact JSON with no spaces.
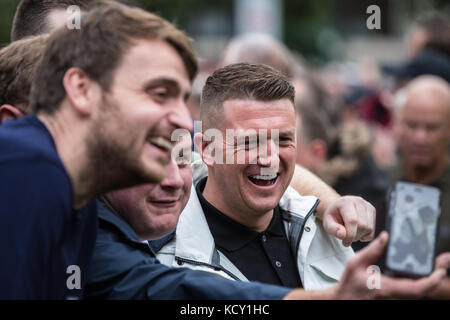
{"x":167,"y":82}
{"x":289,"y":131}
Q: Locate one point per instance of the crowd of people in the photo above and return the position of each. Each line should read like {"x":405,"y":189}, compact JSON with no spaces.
{"x":279,"y":195}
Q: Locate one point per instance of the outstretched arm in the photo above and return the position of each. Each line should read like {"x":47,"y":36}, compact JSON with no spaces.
{"x":307,"y":183}
{"x":349,"y":218}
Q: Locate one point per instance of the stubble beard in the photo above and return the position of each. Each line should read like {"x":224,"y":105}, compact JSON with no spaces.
{"x":108,"y":150}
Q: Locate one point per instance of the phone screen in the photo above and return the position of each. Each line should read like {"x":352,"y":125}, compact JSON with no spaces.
{"x":413,"y":224}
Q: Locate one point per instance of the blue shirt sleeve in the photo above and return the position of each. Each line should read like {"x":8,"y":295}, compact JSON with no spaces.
{"x":119,"y":271}
{"x":35,"y":198}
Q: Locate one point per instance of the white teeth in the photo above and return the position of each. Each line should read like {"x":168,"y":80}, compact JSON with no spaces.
{"x":162,"y":143}
{"x":264,"y":177}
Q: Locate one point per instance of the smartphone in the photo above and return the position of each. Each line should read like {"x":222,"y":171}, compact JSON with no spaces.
{"x":413,"y":220}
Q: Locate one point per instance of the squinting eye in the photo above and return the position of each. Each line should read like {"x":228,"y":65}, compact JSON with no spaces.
{"x":159,"y":94}
{"x":285,"y":140}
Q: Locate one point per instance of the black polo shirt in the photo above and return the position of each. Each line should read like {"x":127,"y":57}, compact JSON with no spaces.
{"x":261,"y":256}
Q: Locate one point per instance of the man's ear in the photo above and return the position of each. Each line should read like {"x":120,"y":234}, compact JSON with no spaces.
{"x":204,"y":147}
{"x":81,"y":90}
{"x":8,"y":112}
{"x":198,"y":139}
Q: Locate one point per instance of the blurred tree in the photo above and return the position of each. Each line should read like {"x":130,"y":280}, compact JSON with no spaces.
{"x":307,"y":23}
{"x":7,"y":9}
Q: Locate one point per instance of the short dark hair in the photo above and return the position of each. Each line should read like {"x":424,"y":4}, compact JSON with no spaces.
{"x":18,"y":64}
{"x":106,"y":33}
{"x":31,"y":15}
{"x":242,"y":81}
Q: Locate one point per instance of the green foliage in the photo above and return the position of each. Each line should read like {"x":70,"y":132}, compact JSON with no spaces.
{"x":7,"y":9}
{"x":304,"y":20}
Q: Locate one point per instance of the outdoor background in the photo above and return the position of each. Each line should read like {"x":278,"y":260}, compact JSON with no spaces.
{"x":319,"y":30}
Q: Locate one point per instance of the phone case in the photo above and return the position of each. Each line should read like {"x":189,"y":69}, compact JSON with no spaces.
{"x":413,"y":219}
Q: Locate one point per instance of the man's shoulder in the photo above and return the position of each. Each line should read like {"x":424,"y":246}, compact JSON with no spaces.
{"x":116,"y":238}
{"x":26,"y":140}
{"x":30,"y":167}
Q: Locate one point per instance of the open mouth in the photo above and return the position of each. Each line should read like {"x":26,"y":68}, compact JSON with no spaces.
{"x":263,"y":180}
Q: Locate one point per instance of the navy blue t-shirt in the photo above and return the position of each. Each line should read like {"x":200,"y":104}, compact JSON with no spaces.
{"x":45,"y":245}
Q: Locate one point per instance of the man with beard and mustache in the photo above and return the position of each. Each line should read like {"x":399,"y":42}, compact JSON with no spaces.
{"x":100,"y":124}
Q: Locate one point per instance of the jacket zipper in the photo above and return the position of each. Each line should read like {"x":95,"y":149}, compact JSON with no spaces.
{"x":197,"y":263}
{"x":303,"y":228}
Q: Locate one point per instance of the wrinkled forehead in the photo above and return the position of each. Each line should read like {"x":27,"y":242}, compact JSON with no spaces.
{"x":255,"y":114}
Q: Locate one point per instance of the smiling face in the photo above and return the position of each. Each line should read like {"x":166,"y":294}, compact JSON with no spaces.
{"x":137,"y":116}
{"x":152,"y":210}
{"x":255,"y":187}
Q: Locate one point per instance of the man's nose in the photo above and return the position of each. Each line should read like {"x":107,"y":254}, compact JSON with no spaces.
{"x":173,"y":179}
{"x":181,"y":117}
{"x":420,"y":135}
{"x":268,"y":155}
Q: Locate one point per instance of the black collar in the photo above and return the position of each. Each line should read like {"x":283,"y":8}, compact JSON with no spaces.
{"x":230,"y":234}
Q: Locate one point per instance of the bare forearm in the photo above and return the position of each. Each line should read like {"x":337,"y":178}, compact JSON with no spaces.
{"x":307,"y":183}
{"x":300,"y":294}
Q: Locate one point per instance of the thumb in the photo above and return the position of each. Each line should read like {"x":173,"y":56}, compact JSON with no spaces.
{"x":335,"y":228}
{"x":443,"y":261}
{"x":374,"y":251}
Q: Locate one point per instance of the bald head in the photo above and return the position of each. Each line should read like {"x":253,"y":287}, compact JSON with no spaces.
{"x":424,"y":121}
{"x":430,"y":89}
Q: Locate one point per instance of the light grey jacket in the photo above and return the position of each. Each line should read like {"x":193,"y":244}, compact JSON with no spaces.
{"x":321,"y":258}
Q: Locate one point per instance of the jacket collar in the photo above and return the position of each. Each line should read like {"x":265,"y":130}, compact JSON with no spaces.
{"x":228,"y":233}
{"x":106,"y":213}
{"x":158,"y":244}
{"x":194,"y":238}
